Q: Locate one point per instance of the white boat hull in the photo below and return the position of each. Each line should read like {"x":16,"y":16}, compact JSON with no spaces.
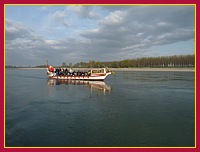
{"x":93,"y":77}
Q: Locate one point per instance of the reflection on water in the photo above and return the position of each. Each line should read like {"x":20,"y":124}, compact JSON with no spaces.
{"x":94,"y":86}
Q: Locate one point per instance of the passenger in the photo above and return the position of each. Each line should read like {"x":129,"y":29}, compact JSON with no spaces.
{"x":57,"y":72}
{"x":70,"y":70}
{"x":66,"y":71}
{"x":78,"y":73}
{"x":89,"y":72}
{"x":51,"y":69}
{"x":62,"y":72}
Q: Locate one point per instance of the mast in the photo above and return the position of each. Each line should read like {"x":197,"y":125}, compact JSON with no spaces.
{"x":47,"y":63}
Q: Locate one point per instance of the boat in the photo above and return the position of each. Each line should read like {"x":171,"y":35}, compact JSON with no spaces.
{"x":89,"y":75}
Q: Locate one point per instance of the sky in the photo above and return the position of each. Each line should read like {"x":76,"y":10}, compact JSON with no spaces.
{"x":80,"y":33}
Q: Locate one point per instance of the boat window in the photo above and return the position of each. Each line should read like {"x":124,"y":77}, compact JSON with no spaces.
{"x":98,"y":71}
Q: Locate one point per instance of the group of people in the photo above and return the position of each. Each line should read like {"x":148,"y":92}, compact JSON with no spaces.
{"x":70,"y":72}
{"x":66,"y":72}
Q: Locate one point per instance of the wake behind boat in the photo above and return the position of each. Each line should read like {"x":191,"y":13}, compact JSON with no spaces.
{"x":91,"y":74}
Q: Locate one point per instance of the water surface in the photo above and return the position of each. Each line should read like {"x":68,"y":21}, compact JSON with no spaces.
{"x":130,"y":109}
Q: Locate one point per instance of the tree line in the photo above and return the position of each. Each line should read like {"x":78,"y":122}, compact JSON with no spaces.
{"x":166,"y":61}
{"x":153,"y":62}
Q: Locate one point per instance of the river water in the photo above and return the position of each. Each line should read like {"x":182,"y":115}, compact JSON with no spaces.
{"x":128,"y":109}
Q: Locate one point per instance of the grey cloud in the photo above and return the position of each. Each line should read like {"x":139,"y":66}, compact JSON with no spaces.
{"x":59,"y":16}
{"x":158,"y":25}
{"x":16,"y":30}
{"x":127,"y":32}
{"x":81,"y":12}
{"x":34,"y":50}
{"x":85,"y":12}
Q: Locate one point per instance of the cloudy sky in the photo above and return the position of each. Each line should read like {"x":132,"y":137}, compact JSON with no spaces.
{"x":79,"y":33}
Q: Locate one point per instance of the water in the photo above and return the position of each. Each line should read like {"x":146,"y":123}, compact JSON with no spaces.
{"x":131,"y":109}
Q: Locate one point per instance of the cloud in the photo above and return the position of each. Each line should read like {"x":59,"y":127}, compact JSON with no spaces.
{"x":69,"y":15}
{"x":14,"y":31}
{"x":138,"y":28}
{"x":85,"y":11}
{"x":103,"y":33}
{"x":59,"y":16}
{"x":25,"y":47}
{"x":115,"y":17}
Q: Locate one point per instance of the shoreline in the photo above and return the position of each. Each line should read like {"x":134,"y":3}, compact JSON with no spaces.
{"x":155,"y":69}
{"x":126,"y":69}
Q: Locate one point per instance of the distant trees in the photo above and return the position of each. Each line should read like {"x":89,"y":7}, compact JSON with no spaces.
{"x":64,"y":64}
{"x":10,"y":66}
{"x":153,"y":62}
{"x":166,"y":61}
{"x":41,"y":66}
